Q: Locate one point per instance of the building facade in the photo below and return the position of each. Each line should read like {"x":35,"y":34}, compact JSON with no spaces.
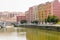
{"x":19,"y":18}
{"x":9,"y":16}
{"x":49,"y":8}
{"x":31,"y":16}
{"x":56,"y":8}
{"x":27,"y":16}
{"x":35,"y":13}
{"x":41,"y":13}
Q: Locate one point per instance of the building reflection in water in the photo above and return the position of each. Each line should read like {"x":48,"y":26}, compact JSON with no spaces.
{"x":12,"y":34}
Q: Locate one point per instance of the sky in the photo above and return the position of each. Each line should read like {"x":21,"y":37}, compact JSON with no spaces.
{"x":19,"y":5}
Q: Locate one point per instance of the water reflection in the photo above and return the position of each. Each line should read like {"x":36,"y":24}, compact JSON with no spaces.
{"x":39,"y":34}
{"x":20,"y":33}
{"x":12,"y":34}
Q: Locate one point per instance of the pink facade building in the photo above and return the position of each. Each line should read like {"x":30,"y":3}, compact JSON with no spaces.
{"x":32,"y":14}
{"x":29,"y":14}
{"x":21,"y":17}
{"x":56,"y":8}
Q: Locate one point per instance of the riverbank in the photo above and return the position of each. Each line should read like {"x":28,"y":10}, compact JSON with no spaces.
{"x":49,"y":27}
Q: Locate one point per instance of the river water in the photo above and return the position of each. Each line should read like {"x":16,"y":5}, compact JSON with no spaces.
{"x":20,"y":33}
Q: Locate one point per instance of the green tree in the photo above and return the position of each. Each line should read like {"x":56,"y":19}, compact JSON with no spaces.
{"x":52,"y":19}
{"x":49,"y":19}
{"x":36,"y":22}
{"x":23,"y":21}
{"x":45,"y":20}
{"x":14,"y":24}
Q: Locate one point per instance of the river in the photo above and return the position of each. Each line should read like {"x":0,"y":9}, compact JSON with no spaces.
{"x":20,"y":33}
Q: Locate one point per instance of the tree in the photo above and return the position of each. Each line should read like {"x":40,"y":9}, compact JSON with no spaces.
{"x":36,"y":22}
{"x":45,"y":20}
{"x":52,"y":19}
{"x":49,"y":19}
{"x":15,"y":25}
{"x":23,"y":21}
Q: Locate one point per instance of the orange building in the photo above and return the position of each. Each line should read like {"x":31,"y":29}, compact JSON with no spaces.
{"x":48,"y":9}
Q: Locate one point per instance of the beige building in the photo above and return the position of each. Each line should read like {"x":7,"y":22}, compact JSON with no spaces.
{"x":35,"y":13}
{"x":27,"y":16}
{"x":41,"y":13}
